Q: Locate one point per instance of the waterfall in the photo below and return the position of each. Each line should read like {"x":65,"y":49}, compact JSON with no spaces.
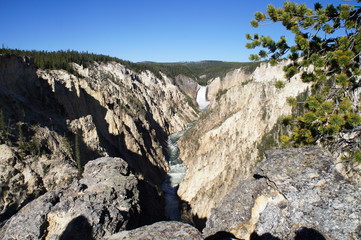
{"x":174,"y":177}
{"x":202,"y":98}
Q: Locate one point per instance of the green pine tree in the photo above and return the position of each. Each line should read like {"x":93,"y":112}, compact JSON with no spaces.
{"x":328,"y":41}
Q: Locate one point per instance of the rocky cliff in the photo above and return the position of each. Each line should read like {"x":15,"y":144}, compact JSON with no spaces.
{"x":54,"y":123}
{"x":104,"y":201}
{"x":187,"y":85}
{"x":231,"y":79}
{"x":293,"y":194}
{"x":57,"y":121}
{"x":160,"y":231}
{"x":222,"y":147}
{"x":132,"y":113}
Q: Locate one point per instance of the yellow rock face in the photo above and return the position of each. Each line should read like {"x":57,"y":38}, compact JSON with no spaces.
{"x":222,"y":148}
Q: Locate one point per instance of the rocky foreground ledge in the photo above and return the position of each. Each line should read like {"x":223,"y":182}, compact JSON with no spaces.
{"x":294,"y":194}
{"x":104,"y":201}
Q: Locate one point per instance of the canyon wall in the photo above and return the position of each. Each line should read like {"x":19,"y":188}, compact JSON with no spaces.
{"x":187,"y":85}
{"x":133,"y":113}
{"x":57,"y":121}
{"x":231,"y":79}
{"x":222,"y":147}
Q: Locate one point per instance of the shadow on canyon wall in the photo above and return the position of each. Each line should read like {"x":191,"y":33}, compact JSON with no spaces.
{"x":24,"y":97}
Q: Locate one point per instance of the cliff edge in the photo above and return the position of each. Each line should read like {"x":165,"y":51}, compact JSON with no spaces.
{"x":293,"y":194}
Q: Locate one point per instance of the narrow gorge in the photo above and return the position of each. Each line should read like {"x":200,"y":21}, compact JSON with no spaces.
{"x":222,"y":148}
{"x":105,"y":151}
{"x":177,"y":169}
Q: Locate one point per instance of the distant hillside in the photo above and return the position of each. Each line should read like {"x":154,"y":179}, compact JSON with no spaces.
{"x":201,"y":72}
{"x":61,"y":60}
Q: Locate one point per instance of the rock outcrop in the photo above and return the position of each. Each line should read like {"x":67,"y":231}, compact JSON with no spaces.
{"x":24,"y":178}
{"x":293,"y":194}
{"x":344,"y":141}
{"x":19,"y":184}
{"x":57,"y":121}
{"x":230,"y":80}
{"x":132,"y":113}
{"x":187,"y":85}
{"x":160,"y":231}
{"x":222,"y":147}
{"x":104,"y":201}
{"x":117,"y":112}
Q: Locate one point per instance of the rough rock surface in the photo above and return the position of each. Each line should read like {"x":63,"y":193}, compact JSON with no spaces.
{"x":187,"y":85}
{"x":225,"y":139}
{"x":57,"y":168}
{"x":131,"y":113}
{"x":118,"y":112}
{"x":24,"y":178}
{"x":112,"y":110}
{"x":346,"y":140}
{"x":19,"y":184}
{"x":160,"y":231}
{"x":294,"y":193}
{"x":30,"y":222}
{"x":231,"y":79}
{"x":104,"y":201}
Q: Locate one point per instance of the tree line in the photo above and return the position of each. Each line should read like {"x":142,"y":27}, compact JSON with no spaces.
{"x":199,"y":71}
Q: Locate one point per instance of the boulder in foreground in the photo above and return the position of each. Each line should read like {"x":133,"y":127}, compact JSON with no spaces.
{"x":294,"y":194}
{"x":160,"y":231}
{"x":104,"y":201}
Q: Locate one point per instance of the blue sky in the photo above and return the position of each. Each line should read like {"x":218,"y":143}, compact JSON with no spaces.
{"x":137,"y":30}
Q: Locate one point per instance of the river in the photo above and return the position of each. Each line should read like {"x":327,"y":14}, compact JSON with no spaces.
{"x":174,"y":177}
{"x":177,"y":169}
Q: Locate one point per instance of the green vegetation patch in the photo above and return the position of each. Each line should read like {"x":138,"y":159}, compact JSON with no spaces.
{"x":220,"y":93}
{"x":327,"y":39}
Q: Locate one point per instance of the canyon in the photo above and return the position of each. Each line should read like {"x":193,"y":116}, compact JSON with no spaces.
{"x":228,"y":137}
{"x":93,"y":154}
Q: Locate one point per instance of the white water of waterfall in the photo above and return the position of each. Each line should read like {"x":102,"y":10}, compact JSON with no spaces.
{"x":202,"y":98}
{"x":175,"y":176}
